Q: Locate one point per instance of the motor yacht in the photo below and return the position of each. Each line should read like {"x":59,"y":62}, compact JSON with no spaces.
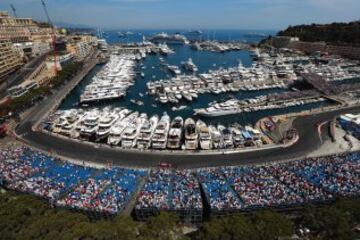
{"x":90,"y":125}
{"x":237,"y":136}
{"x":106,"y":121}
{"x":174,"y":69}
{"x":191,"y":135}
{"x":160,"y":135}
{"x":146,"y":132}
{"x":226,"y":136}
{"x":216,"y":137}
{"x":117,"y":129}
{"x":128,"y":137}
{"x":204,"y":135}
{"x":175,"y":133}
{"x":190,"y":66}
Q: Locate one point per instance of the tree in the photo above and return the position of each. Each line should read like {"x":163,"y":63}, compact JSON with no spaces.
{"x":214,"y":230}
{"x":236,"y":227}
{"x":328,"y":223}
{"x":271,"y":225}
{"x":162,"y":227}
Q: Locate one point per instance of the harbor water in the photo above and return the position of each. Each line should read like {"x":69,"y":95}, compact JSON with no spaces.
{"x":153,"y":71}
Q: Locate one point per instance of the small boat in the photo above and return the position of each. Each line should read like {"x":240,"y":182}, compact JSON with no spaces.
{"x":190,"y":66}
{"x":137,"y":102}
{"x":178,"y":108}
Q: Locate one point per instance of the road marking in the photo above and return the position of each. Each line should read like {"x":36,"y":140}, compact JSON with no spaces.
{"x":320,"y":131}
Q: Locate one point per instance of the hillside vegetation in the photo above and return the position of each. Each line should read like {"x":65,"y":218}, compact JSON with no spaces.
{"x":334,"y":33}
{"x":26,"y":217}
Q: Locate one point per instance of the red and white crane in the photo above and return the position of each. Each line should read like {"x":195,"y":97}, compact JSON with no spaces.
{"x":53,"y":35}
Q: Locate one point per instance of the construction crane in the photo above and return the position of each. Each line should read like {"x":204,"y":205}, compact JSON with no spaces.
{"x":53,"y":35}
{"x":14,"y":10}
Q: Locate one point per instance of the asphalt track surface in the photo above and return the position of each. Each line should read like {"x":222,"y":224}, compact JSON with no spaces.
{"x":309,"y":141}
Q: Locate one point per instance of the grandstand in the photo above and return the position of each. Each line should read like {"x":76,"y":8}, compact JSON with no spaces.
{"x":105,"y":191}
{"x":173,"y":191}
{"x":193,"y":194}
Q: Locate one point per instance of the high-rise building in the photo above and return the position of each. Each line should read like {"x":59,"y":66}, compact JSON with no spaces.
{"x":15,"y":29}
{"x":19,"y":30}
{"x":10,"y":59}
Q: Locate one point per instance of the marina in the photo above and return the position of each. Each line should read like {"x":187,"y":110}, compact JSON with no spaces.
{"x":169,"y":96}
{"x":205,"y":61}
{"x":127,"y":129}
{"x":112,"y":81}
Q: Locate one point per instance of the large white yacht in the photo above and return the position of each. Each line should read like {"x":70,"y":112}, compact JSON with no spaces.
{"x":165,"y":50}
{"x":118,"y":128}
{"x":220,"y":109}
{"x":237,"y":136}
{"x":146,"y":132}
{"x":204,"y":135}
{"x":90,"y":125}
{"x":160,"y":135}
{"x":73,"y":119}
{"x":226,"y":136}
{"x":107,"y":119}
{"x":175,"y":133}
{"x":190,"y":66}
{"x":216,"y":137}
{"x":191,"y":135}
{"x":128,"y":137}
{"x":112,"y":81}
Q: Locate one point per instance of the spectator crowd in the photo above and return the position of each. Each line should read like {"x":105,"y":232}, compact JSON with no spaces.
{"x":67,"y":184}
{"x":109,"y":190}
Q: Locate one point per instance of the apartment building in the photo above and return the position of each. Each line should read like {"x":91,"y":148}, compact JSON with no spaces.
{"x":81,"y":46}
{"x":10,"y":59}
{"x":19,"y":30}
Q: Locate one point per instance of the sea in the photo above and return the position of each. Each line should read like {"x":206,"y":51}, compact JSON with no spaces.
{"x":205,"y":60}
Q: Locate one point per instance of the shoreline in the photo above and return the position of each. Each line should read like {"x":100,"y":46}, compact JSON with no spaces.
{"x":307,"y":140}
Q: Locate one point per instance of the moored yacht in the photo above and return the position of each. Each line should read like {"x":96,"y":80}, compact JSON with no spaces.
{"x":90,"y":125}
{"x":226,"y":136}
{"x":146,"y":132}
{"x":191,"y":135}
{"x":128,"y":137}
{"x":174,"y":69}
{"x":175,"y":133}
{"x":190,"y":66}
{"x":105,"y":123}
{"x":117,"y":129}
{"x":59,"y":123}
{"x":216,"y":137}
{"x":204,"y":135}
{"x":73,"y":119}
{"x":237,"y":136}
{"x":160,"y":135}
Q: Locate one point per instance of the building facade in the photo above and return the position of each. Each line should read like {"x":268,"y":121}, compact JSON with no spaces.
{"x":15,"y":29}
{"x":32,"y":49}
{"x":19,"y":30}
{"x":10,"y":60}
{"x":81,"y":46}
